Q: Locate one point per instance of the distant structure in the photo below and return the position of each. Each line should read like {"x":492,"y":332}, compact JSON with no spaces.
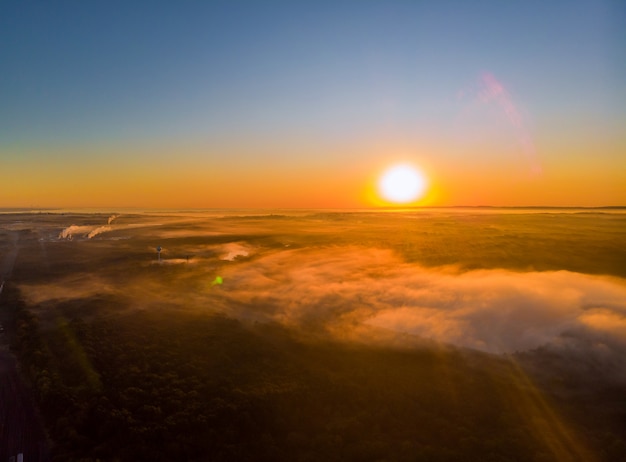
{"x":159,"y":252}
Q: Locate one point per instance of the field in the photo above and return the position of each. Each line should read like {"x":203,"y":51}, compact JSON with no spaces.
{"x":431,"y":334}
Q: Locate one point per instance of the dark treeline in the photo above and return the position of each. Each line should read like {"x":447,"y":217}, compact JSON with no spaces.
{"x":171,"y":386}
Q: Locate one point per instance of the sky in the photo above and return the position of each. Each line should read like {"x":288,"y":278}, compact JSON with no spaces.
{"x":305,"y":104}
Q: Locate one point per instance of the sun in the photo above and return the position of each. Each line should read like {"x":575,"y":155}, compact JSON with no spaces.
{"x":402,"y":184}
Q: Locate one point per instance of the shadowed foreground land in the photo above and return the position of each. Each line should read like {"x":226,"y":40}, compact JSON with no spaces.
{"x":331,"y":337}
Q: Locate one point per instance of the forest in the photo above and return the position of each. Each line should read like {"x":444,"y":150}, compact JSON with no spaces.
{"x":418,"y":336}
{"x":178,"y":386}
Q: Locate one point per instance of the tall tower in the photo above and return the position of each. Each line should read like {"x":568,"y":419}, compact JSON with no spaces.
{"x":158,"y":249}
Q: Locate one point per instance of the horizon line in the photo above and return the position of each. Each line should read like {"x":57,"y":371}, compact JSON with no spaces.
{"x":382,"y":208}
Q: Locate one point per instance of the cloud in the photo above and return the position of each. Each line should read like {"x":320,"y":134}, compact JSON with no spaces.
{"x":88,"y":231}
{"x":75,"y":230}
{"x":605,"y":320}
{"x":98,"y":230}
{"x":357,"y":293}
{"x":172,"y":261}
{"x":91,"y":231}
{"x":232,"y":250}
{"x":69,"y":288}
{"x":340,"y":289}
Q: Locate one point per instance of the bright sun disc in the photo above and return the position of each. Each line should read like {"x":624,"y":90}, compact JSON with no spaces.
{"x":402,"y":184}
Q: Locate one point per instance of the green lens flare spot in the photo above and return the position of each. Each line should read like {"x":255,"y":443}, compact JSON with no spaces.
{"x":217,"y":280}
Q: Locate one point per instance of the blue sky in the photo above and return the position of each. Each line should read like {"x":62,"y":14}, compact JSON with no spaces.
{"x":124,"y":74}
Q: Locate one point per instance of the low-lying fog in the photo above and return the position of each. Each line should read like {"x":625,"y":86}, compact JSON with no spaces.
{"x":497,"y":282}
